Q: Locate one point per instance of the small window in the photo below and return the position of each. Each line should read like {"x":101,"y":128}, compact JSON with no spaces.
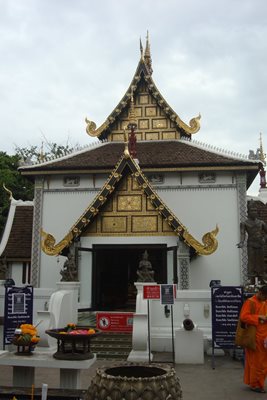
{"x":71,"y":181}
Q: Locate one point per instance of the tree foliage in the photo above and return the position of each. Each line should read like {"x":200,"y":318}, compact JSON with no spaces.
{"x":22,"y":188}
{"x":48,"y":151}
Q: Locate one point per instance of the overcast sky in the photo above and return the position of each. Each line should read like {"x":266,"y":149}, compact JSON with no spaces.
{"x":63,"y":60}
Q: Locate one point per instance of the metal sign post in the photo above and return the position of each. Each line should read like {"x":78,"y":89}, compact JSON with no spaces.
{"x":168,"y":293}
{"x":148,"y":332}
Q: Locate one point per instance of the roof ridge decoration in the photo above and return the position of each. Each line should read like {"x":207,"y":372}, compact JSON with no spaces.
{"x":50,"y":247}
{"x":90,"y":146}
{"x":144,"y":69}
{"x":217,"y":150}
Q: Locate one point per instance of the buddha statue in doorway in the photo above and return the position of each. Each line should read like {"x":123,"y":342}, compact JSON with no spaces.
{"x":145,"y":272}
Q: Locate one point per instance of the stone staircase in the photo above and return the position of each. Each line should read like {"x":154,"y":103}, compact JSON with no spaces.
{"x":113,"y":345}
{"x":107,"y":345}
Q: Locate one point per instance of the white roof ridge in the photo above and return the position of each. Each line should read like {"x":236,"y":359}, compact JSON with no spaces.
{"x":218,"y":150}
{"x":83,"y":149}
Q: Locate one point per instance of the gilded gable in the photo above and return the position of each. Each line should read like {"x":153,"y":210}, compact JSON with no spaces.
{"x":128,"y":213}
{"x":152,"y":121}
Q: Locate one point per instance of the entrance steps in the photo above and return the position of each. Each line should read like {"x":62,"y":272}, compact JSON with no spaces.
{"x":108,"y":345}
{"x":113,"y":345}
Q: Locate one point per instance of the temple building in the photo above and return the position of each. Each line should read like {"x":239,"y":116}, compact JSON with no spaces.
{"x":143,"y":185}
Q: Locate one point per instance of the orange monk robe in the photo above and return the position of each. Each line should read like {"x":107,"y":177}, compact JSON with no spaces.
{"x":255,"y":361}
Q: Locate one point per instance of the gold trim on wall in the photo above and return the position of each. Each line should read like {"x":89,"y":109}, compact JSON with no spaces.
{"x":159,"y":123}
{"x":113,"y":224}
{"x":152,"y":135}
{"x":129,"y":203}
{"x":151,"y":111}
{"x":144,"y":223}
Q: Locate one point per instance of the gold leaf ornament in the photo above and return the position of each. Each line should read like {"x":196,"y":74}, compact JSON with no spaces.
{"x":49,"y":245}
{"x":91,"y":129}
{"x":194,"y":124}
{"x":210,"y":243}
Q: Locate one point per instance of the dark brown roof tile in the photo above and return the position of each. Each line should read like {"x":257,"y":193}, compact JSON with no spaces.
{"x":151,"y":154}
{"x":20,"y":239}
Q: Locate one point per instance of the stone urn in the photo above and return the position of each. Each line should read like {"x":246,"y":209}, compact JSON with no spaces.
{"x":131,"y":381}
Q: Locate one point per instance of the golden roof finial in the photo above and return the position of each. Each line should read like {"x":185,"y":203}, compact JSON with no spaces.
{"x":148,"y":59}
{"x":8,"y":191}
{"x":126,"y":147}
{"x":262,"y":154}
{"x":132,"y":117}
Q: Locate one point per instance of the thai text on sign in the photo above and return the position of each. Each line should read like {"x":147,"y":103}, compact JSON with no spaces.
{"x":151,"y":292}
{"x":114,"y":322}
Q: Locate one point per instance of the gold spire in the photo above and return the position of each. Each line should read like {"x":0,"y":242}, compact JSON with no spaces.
{"x":141,"y":49}
{"x":126,"y":148}
{"x":262,"y":154}
{"x":148,"y":59}
{"x":132,"y":116}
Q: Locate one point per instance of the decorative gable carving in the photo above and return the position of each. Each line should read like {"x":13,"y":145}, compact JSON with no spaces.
{"x":139,"y":224}
{"x":129,"y":213}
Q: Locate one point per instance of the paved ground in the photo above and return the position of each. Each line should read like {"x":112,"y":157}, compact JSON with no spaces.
{"x":198,"y":382}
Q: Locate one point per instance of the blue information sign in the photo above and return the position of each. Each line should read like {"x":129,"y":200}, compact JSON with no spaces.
{"x":18,"y":309}
{"x":226,"y":304}
{"x":167,"y":294}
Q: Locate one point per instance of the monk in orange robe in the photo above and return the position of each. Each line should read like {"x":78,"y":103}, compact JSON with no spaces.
{"x":256,"y":360}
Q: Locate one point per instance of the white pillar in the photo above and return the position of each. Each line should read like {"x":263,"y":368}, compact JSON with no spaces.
{"x":140,"y":351}
{"x":73,"y":287}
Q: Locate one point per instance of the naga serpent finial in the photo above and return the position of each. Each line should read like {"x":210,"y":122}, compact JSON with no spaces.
{"x":9,"y":192}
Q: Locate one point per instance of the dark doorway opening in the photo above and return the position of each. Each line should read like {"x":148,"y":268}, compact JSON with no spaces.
{"x":114,"y":273}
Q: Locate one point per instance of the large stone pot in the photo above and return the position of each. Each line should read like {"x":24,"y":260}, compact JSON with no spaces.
{"x":130,"y":381}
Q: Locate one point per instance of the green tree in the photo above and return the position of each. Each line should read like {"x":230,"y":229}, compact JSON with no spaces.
{"x":46,"y":152}
{"x":20,"y":187}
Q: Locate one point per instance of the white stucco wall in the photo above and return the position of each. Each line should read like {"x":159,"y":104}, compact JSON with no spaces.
{"x":200,"y":210}
{"x":199,"y":207}
{"x":61,"y":209}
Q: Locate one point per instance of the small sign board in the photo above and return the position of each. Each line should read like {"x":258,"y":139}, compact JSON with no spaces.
{"x":114,"y":322}
{"x":226,"y":305}
{"x":168,"y":293}
{"x":18,"y":309}
{"x":151,"y":292}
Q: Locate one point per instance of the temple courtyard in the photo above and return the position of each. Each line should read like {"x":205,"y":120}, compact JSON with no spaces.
{"x":224,"y":382}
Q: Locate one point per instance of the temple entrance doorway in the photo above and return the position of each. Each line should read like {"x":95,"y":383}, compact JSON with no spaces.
{"x":114,"y":273}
